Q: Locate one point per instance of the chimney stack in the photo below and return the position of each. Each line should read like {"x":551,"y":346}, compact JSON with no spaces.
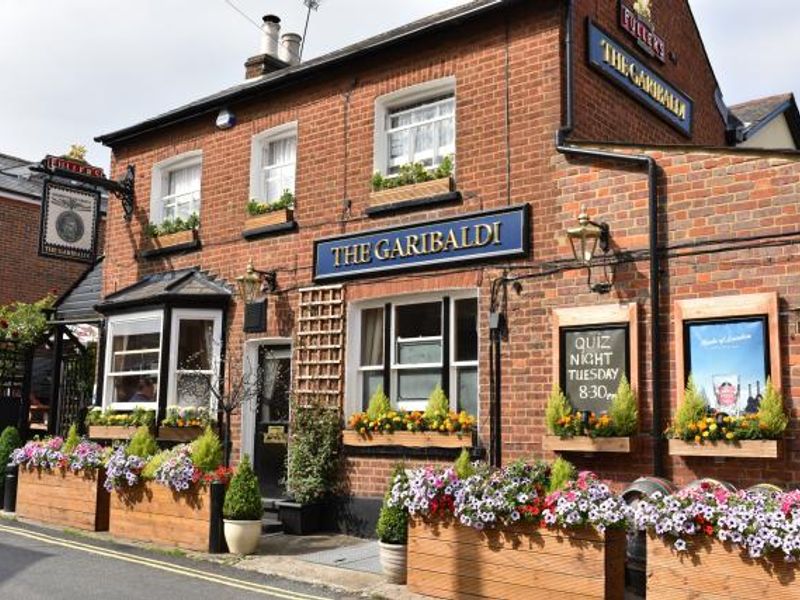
{"x":276,"y":52}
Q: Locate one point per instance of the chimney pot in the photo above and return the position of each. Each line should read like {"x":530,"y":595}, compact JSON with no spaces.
{"x":289,"y":51}
{"x":270,"y":33}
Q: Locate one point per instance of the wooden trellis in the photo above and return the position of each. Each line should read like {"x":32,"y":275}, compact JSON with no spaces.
{"x":319,"y":346}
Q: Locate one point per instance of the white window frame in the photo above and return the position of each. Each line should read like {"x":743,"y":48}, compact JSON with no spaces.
{"x":160,"y":181}
{"x":353,"y":378}
{"x":113,"y":323}
{"x":429,"y":90}
{"x":187,"y":314}
{"x":257,"y":145}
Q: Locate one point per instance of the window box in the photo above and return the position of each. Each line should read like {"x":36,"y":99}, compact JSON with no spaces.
{"x":408,"y":439}
{"x":414,"y":191}
{"x":448,"y":560}
{"x":715,"y":569}
{"x":276,"y":217}
{"x":171,"y":242}
{"x":738,"y":449}
{"x":63,"y":498}
{"x":554,"y":443}
{"x":112,"y":432}
{"x":179,"y":434}
{"x":150,"y":512}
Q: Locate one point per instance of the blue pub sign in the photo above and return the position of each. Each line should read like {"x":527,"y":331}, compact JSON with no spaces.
{"x":467,"y":238}
{"x":624,"y":69}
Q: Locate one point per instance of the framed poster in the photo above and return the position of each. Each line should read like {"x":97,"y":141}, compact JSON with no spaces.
{"x":593,"y":361}
{"x":68,"y":228}
{"x":729,"y":360}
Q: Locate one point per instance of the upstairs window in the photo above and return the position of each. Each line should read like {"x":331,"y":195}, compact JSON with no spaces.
{"x":176,"y":189}
{"x":273,"y":164}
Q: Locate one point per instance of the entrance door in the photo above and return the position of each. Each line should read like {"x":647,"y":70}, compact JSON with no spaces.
{"x":272,"y":419}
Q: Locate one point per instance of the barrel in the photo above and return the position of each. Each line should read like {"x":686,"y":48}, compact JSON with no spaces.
{"x":765,"y":488}
{"x":712,"y":482}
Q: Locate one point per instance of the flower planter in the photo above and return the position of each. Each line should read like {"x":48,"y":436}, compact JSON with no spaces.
{"x":394,"y":562}
{"x":739,"y":449}
{"x":300,"y":519}
{"x":713,"y":569}
{"x":448,"y":560}
{"x":111,"y":432}
{"x":426,"y":189}
{"x":179,"y":434}
{"x":170,"y":240}
{"x":276,"y":217}
{"x":63,"y":498}
{"x":586,"y":444}
{"x":150,"y":512}
{"x":408,"y":439}
{"x":242,"y":537}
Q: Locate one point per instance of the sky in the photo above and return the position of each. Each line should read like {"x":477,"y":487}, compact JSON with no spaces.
{"x":70,"y":71}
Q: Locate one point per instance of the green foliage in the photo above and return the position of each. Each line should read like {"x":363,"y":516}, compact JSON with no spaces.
{"x":207,"y":451}
{"x":772,"y":416}
{"x":379,"y":405}
{"x":412,"y":173}
{"x":149,"y":471}
{"x":256,"y":207}
{"x":313,"y":452}
{"x":243,"y":498}
{"x":558,"y":407}
{"x":73,"y":439}
{"x":10,"y":440}
{"x":438,"y":406}
{"x":392,"y":526}
{"x":138,"y":417}
{"x":561,"y":472}
{"x":25,"y":323}
{"x":142,"y":444}
{"x":463,"y":466}
{"x":168,"y":226}
{"x":693,"y":409}
{"x":624,"y":411}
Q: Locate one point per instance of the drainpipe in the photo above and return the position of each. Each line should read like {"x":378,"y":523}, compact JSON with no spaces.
{"x":563,"y":147}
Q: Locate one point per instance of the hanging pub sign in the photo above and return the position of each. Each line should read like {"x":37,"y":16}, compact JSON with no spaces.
{"x":65,"y":163}
{"x":729,"y":362}
{"x":593,"y":361}
{"x":68,"y":226}
{"x":637,"y":21}
{"x":468,"y":238}
{"x":620,"y":66}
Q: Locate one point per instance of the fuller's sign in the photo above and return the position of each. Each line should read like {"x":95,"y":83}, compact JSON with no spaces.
{"x":73,"y":166}
{"x":479,"y":236}
{"x":620,"y":66}
{"x":69,"y":222}
{"x":641,"y":29}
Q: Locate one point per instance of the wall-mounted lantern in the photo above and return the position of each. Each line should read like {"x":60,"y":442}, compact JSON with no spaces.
{"x":585,"y":239}
{"x":252,"y":286}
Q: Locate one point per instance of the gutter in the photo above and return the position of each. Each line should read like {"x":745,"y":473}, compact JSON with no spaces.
{"x":647,"y":162}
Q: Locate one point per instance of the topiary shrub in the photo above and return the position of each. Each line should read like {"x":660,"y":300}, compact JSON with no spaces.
{"x":624,"y":411}
{"x":207,"y":451}
{"x":463,"y":465}
{"x":392,"y":527}
{"x":142,"y":444}
{"x":561,"y":472}
{"x":438,"y":406}
{"x":73,"y":439}
{"x":379,"y":405}
{"x":558,"y":407}
{"x":243,"y":498}
{"x":692,"y":409}
{"x":772,"y":417}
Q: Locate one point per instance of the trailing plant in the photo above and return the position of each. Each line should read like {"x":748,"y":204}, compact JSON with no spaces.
{"x":561,"y":472}
{"x":463,"y":465}
{"x":25,"y":323}
{"x":138,"y":417}
{"x":392,"y":526}
{"x":772,"y":416}
{"x":142,"y":444}
{"x":207,"y":451}
{"x":176,"y":470}
{"x":45,"y":454}
{"x":122,"y":469}
{"x":558,"y":408}
{"x":188,"y":416}
{"x":438,"y":406}
{"x":411,"y":173}
{"x":86,"y":456}
{"x":257,"y":207}
{"x":73,"y":439}
{"x":168,"y":226}
{"x":243,"y":498}
{"x":624,"y":410}
{"x":154,"y":463}
{"x":313,"y":452}
{"x":378,"y":405}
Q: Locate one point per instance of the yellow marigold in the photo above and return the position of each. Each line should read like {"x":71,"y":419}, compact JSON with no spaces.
{"x":729,"y":435}
{"x":698,"y":439}
{"x":705,"y":434}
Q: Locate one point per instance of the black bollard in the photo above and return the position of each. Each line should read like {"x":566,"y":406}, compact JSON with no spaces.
{"x":216,"y":535}
{"x":10,"y":492}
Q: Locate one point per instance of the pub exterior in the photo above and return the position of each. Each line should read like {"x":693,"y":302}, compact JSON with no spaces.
{"x":525,"y":117}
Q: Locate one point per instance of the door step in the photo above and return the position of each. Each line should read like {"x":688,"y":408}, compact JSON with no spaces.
{"x":269,"y":520}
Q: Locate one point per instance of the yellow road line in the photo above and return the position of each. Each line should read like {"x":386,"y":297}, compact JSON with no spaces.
{"x":170,"y":568}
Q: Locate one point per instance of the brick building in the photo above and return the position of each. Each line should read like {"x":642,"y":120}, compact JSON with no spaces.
{"x":545,"y":107}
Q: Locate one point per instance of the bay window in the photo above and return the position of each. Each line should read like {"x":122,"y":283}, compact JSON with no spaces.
{"x":133,"y":361}
{"x":194,"y":357}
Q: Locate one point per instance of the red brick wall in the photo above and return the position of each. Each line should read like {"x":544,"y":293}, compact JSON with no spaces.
{"x":26,"y":276}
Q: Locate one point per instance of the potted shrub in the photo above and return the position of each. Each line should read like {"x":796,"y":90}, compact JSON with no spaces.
{"x":311,"y":467}
{"x":262,"y":214}
{"x":392,"y":532}
{"x":9,"y":441}
{"x":242,"y":510}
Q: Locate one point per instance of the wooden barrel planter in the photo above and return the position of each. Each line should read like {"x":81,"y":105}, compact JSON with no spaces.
{"x":716,"y":570}
{"x":151,"y":512}
{"x":63,"y":498}
{"x":448,"y":560}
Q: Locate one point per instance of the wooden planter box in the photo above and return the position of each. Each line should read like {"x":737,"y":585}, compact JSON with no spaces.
{"x":111,"y":432}
{"x":447,"y":560}
{"x":427,"y":189}
{"x":276,"y":217}
{"x":586,"y":444}
{"x":739,"y":449}
{"x":151,"y":512}
{"x":179,"y":434}
{"x":64,"y":498}
{"x":713,"y":569}
{"x":170,"y":240}
{"x":408,"y":439}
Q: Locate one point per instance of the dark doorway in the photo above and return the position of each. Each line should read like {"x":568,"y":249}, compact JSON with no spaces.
{"x":272,"y":419}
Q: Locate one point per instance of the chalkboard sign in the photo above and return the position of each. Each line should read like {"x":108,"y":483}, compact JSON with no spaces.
{"x":593,"y":361}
